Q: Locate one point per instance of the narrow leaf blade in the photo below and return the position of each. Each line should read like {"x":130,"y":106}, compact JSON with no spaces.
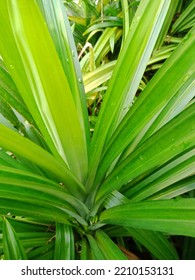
{"x":171,"y":216}
{"x":64,"y":243}
{"x":13,"y":249}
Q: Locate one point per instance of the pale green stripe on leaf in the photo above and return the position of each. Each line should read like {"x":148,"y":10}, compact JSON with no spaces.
{"x":61,"y":33}
{"x":182,"y":187}
{"x":40,"y":62}
{"x":12,"y":59}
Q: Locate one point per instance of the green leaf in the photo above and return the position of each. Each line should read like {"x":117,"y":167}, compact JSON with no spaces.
{"x":26,"y":225}
{"x":108,"y":22}
{"x":17,"y":72}
{"x":84,"y":249}
{"x":45,"y":252}
{"x":13,"y":207}
{"x":176,"y":105}
{"x":176,"y":189}
{"x":8,"y":160}
{"x":36,"y":53}
{"x":8,"y":113}
{"x":11,"y":95}
{"x":32,"y":152}
{"x":99,"y":76}
{"x":157,"y":243}
{"x":95,"y":250}
{"x":13,"y":249}
{"x":126,"y":21}
{"x":15,"y":183}
{"x":129,"y":69}
{"x":188,"y":252}
{"x":64,"y":242}
{"x":33,"y":239}
{"x":177,"y":70}
{"x":187,"y":15}
{"x":101,"y":48}
{"x":61,"y":33}
{"x":174,"y":216}
{"x":168,"y":142}
{"x":173,"y":172}
{"x":108,"y":247}
{"x":168,"y":21}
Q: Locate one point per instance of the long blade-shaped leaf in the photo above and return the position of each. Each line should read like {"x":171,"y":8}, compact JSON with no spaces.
{"x":177,"y":170}
{"x":59,"y":27}
{"x":33,"y":239}
{"x":172,"y":139}
{"x":10,"y":93}
{"x":28,"y":209}
{"x":84,"y":249}
{"x":167,"y":23}
{"x":108,"y":247}
{"x":26,"y":225}
{"x":51,"y":93}
{"x":64,"y":243}
{"x":45,"y":252}
{"x":155,"y":242}
{"x":13,"y":249}
{"x":14,"y":183}
{"x":8,"y":160}
{"x":182,"y":187}
{"x":94,"y":248}
{"x":174,"y":106}
{"x":188,"y":13}
{"x":17,"y":71}
{"x":130,"y":67}
{"x":126,"y":21}
{"x":32,"y":152}
{"x":171,"y":216}
{"x":177,"y":70}
{"x":8,"y":114}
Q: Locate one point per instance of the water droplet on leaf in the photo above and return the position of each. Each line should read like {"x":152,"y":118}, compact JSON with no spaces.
{"x":138,"y":18}
{"x":141,"y":157}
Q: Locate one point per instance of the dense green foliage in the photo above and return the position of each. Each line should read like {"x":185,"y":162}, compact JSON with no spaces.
{"x":97,"y":129}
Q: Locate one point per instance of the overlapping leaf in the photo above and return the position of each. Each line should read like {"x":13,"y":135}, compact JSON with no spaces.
{"x":170,"y":216}
{"x":41,"y":89}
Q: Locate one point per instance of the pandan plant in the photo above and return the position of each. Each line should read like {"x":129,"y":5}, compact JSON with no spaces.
{"x":69,"y":192}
